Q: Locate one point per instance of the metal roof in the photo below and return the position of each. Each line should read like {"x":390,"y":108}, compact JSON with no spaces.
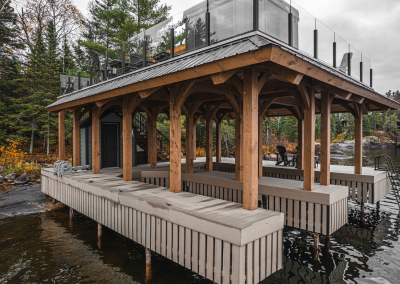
{"x":238,"y":45}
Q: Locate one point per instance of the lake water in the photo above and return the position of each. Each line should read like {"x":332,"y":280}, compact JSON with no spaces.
{"x":48,"y":248}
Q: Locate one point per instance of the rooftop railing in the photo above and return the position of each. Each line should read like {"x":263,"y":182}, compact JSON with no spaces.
{"x":213,"y":21}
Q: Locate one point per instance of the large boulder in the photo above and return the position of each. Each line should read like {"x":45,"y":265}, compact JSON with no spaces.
{"x":11,"y":177}
{"x":1,"y":179}
{"x":337,"y":152}
{"x":22,"y":179}
{"x":2,"y":169}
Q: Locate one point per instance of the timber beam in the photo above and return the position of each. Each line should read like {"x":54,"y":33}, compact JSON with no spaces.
{"x":222,"y":77}
{"x":281,"y":63}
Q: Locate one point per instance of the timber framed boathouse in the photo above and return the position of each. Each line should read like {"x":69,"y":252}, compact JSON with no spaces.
{"x":222,"y":219}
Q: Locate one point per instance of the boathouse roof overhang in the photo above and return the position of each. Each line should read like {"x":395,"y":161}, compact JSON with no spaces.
{"x":287,"y":65}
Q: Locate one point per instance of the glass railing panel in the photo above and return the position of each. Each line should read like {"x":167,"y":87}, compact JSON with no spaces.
{"x":303,"y":29}
{"x":366,"y":70}
{"x":134,"y":50}
{"x":273,"y":19}
{"x":195,"y":24}
{"x":229,"y":18}
{"x":179,"y":26}
{"x":158,"y":39}
{"x":355,"y":62}
{"x":326,"y":37}
{"x":342,"y":50}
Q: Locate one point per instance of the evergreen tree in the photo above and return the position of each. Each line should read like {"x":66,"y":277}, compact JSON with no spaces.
{"x":53,"y":70}
{"x":318,"y":126}
{"x":367,"y":126}
{"x":114,"y":22}
{"x":289,"y":128}
{"x":9,"y":43}
{"x":80,"y":57}
{"x":67,"y":57}
{"x":28,"y":109}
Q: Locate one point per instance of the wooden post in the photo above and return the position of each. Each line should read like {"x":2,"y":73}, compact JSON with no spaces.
{"x":209,"y":142}
{"x":126,"y":140}
{"x":76,"y":144}
{"x":95,"y":139}
{"x":153,"y":140}
{"x":300,"y":146}
{"x":358,"y":121}
{"x":218,"y":142}
{"x":61,"y":135}
{"x":309,"y":142}
{"x":238,"y":146}
{"x":175,"y":143}
{"x":260,"y":144}
{"x":250,"y":139}
{"x":325,"y":177}
{"x":194,"y":140}
{"x":189,"y":144}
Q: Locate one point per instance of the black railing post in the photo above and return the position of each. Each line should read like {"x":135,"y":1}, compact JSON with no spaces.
{"x":69,"y":83}
{"x":349,"y":63}
{"x":144,"y":53}
{"x":361,"y":71}
{"x":207,"y":27}
{"x":123,"y":62}
{"x":290,"y":19}
{"x":79,"y":80}
{"x":106,"y":68}
{"x":91,"y":75}
{"x":172,"y":43}
{"x":334,"y":54}
{"x":316,"y":43}
{"x":370,"y":77}
{"x":255,"y":15}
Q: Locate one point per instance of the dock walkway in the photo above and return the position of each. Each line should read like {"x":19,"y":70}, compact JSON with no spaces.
{"x":216,"y":238}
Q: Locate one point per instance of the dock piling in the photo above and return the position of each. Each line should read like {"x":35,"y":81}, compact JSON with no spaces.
{"x":148,"y":265}
{"x":71,"y":213}
{"x":54,"y":201}
{"x":99,"y":234}
{"x":362,"y":210}
{"x":328,"y":242}
{"x":316,"y":238}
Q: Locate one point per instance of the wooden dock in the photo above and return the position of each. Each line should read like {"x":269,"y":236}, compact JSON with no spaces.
{"x":323,"y":210}
{"x":216,"y":238}
{"x":369,"y":187}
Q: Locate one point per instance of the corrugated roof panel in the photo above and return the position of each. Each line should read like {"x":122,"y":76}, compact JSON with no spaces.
{"x":240,"y":45}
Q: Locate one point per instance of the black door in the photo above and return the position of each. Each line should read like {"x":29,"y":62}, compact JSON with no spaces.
{"x":109,"y":145}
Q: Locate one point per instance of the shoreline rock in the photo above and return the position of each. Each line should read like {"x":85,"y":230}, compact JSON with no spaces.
{"x":370,"y":145}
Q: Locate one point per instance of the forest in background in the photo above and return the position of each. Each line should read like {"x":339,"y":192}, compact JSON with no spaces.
{"x":41,"y":39}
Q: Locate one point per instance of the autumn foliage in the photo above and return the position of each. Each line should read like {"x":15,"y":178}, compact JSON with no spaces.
{"x":13,"y":159}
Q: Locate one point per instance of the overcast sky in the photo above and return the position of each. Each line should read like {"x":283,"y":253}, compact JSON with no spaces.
{"x":371,"y":26}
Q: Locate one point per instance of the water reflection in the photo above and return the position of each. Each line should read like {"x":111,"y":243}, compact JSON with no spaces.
{"x":51,"y":247}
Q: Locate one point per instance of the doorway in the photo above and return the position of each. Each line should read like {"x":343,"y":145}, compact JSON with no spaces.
{"x":109,"y":145}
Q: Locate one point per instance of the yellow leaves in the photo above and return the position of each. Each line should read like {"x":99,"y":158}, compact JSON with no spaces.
{"x":12,"y":158}
{"x":200,"y":152}
{"x":11,"y":155}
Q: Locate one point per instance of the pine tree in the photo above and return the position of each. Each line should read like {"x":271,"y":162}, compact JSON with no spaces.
{"x":28,"y":109}
{"x":114,"y":22}
{"x":53,"y":70}
{"x":80,"y":57}
{"x":67,"y":57}
{"x":9,"y":43}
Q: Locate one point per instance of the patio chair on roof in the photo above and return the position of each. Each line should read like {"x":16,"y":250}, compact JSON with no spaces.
{"x":284,"y":158}
{"x":344,"y":65}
